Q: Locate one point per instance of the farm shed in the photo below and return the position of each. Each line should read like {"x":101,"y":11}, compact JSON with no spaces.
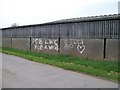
{"x":87,"y":37}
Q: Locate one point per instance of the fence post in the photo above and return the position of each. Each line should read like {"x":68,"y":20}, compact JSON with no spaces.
{"x":104,"y":48}
{"x":11,"y":41}
{"x":30,"y":43}
{"x":59,"y":39}
{"x":11,"y":37}
{"x":30,"y":38}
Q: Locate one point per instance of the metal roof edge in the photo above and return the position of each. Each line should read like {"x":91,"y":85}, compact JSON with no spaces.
{"x":72,"y":20}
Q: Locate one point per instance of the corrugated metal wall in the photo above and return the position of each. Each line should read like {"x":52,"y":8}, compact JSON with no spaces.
{"x":83,"y":30}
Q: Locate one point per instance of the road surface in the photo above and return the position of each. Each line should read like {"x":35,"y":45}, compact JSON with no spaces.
{"x":0,"y":71}
{"x":21,"y":73}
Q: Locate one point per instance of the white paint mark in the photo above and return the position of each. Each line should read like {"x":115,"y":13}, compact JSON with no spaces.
{"x":55,"y":42}
{"x":45,"y":44}
{"x":73,"y":42}
{"x":81,"y":48}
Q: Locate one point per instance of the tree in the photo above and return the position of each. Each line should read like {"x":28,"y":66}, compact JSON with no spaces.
{"x":14,"y":25}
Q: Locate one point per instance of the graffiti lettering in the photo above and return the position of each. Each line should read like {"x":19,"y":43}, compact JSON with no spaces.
{"x":73,"y":42}
{"x":45,"y":44}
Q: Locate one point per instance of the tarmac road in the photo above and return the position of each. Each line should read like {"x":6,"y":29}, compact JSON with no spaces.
{"x":0,"y":71}
{"x":21,"y":73}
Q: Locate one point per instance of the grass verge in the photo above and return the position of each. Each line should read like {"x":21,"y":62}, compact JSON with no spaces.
{"x":105,"y":69}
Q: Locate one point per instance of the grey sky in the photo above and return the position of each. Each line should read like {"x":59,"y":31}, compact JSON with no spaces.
{"x":25,"y":12}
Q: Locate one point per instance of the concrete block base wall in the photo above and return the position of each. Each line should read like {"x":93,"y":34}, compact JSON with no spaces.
{"x":21,"y":43}
{"x":6,"y":42}
{"x":49,"y":45}
{"x":112,"y":49}
{"x":84,"y":48}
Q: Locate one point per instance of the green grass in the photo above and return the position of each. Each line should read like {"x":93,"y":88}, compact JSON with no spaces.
{"x":105,"y":69}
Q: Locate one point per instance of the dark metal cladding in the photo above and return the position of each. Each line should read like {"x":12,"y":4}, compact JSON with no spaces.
{"x":97,"y":27}
{"x":98,"y":36}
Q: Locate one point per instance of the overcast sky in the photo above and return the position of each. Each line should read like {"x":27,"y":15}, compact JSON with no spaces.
{"x":26,"y":12}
